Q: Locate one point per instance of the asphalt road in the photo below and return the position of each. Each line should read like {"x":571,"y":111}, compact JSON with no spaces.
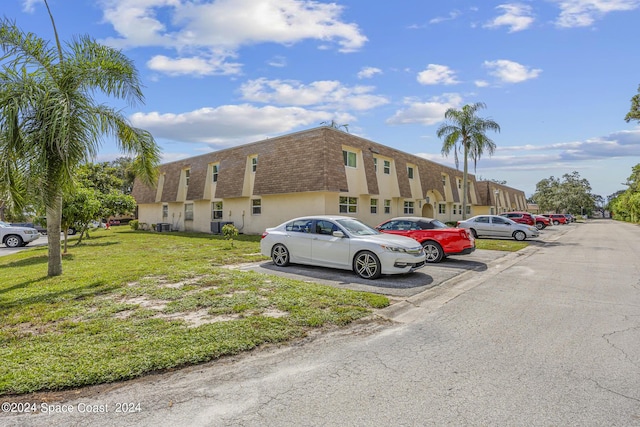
{"x":545,"y":336}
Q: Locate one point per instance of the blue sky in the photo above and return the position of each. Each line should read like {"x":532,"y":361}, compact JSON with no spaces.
{"x":557,"y":75}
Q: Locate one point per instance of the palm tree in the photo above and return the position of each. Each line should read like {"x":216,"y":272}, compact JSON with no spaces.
{"x":464,"y":131}
{"x":50,"y":123}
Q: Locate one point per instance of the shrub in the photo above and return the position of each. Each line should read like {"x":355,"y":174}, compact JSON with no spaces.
{"x":135,"y":224}
{"x":230,"y":231}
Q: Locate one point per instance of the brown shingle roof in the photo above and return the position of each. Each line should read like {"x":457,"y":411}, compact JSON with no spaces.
{"x":304,"y":161}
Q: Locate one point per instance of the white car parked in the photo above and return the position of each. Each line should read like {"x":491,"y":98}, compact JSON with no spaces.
{"x":341,"y":242}
{"x":13,"y":236}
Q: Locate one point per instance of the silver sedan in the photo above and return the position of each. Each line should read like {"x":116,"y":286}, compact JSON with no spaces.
{"x":498,"y":226}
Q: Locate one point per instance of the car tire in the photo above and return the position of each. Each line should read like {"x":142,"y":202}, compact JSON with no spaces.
{"x":556,"y":222}
{"x":71,"y":231}
{"x":280,"y":255}
{"x":519,"y":235}
{"x":13,"y":241}
{"x":540,"y":225}
{"x":367,"y":265}
{"x":434,"y":251}
{"x":473,"y":233}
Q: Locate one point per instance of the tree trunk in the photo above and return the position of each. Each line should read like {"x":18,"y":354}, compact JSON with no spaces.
{"x":465,"y":185}
{"x":54,"y":216}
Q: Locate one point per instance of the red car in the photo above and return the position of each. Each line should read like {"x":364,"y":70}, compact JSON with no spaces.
{"x":438,"y":239}
{"x":520,"y":217}
{"x":556,"y":218}
{"x":542,"y":222}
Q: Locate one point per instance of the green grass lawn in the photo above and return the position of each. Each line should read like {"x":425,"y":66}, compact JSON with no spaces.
{"x":501,"y":245}
{"x":133,"y":302}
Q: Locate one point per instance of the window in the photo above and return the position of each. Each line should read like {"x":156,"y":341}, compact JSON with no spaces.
{"x":256,"y":207}
{"x":187,"y":175}
{"x":499,"y":220}
{"x":348,"y":204}
{"x":408,"y":208}
{"x":387,"y":206}
{"x":410,"y":172}
{"x":215,"y":169}
{"x":349,"y":158}
{"x":455,"y":209}
{"x":300,"y":225}
{"x":375,"y":164}
{"x":444,"y":181}
{"x":459,"y":183}
{"x":374,"y":206}
{"x":442,"y":208}
{"x":468,"y":209}
{"x":216,"y":211}
{"x":254,"y":164}
{"x":326,"y":227}
{"x":188,"y":212}
{"x":165,"y":211}
{"x":387,"y":167}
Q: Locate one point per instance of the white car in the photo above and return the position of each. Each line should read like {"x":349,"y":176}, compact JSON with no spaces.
{"x":498,"y":226}
{"x":341,"y":242}
{"x":13,"y":236}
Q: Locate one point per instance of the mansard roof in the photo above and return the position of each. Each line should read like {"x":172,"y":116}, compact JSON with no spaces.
{"x":305,"y":161}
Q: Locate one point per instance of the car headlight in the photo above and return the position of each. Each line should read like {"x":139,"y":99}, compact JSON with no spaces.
{"x":393,"y":248}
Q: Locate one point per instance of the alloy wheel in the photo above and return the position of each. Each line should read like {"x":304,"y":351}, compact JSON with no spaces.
{"x":367,"y":265}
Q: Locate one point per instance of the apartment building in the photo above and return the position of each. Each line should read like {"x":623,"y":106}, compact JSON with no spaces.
{"x":317,"y":171}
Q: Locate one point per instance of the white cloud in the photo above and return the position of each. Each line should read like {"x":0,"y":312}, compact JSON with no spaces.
{"x":516,"y":16}
{"x":199,"y":66}
{"x":582,"y":13}
{"x":368,"y":72}
{"x":229,"y":124}
{"x":452,"y":15}
{"x":278,"y":61}
{"x":511,"y":72}
{"x":437,"y":74}
{"x":327,"y":93}
{"x":29,"y":5}
{"x":220,"y":28}
{"x":425,"y":113}
{"x":625,"y":143}
{"x":481,"y":83}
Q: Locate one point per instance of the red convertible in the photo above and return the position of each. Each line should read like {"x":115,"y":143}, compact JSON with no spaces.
{"x":438,"y":239}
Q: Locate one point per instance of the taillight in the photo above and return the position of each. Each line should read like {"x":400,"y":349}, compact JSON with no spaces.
{"x":264,"y":234}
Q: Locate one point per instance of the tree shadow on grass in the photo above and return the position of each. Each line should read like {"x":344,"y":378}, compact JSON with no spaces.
{"x":27,"y":262}
{"x":94,"y":288}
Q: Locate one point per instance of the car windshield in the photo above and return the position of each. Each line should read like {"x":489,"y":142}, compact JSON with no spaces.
{"x":356,"y":227}
{"x":4,"y":224}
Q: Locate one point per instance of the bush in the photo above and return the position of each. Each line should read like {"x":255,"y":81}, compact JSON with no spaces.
{"x":230,"y":231}
{"x":134,"y":224}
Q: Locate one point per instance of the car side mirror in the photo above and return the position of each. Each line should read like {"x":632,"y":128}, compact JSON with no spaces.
{"x":338,"y":234}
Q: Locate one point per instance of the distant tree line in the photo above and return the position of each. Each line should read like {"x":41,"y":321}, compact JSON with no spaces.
{"x":625,"y":205}
{"x":571,"y":194}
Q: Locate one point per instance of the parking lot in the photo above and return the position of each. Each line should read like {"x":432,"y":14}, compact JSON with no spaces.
{"x":400,"y":285}
{"x":404,"y":285}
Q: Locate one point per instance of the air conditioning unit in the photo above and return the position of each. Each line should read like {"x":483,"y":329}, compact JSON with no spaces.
{"x":163,"y":226}
{"x":216,"y":228}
